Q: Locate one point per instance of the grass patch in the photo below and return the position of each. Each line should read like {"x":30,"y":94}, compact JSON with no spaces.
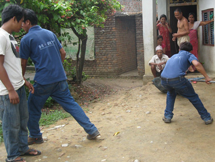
{"x":47,"y":118}
{"x":52,"y":117}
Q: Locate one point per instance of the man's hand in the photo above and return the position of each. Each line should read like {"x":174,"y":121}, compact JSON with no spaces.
{"x":160,"y":66}
{"x":30,"y":86}
{"x":174,"y":39}
{"x":207,"y":80}
{"x":14,"y":97}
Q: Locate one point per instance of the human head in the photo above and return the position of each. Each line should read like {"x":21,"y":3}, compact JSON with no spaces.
{"x":191,"y":17}
{"x":159,"y":51}
{"x":30,"y":19}
{"x":163,"y":19}
{"x":178,"y":14}
{"x":159,"y":40}
{"x":13,"y":14}
{"x":186,"y":46}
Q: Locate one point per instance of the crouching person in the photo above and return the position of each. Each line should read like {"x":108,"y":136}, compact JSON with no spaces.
{"x":158,"y":62}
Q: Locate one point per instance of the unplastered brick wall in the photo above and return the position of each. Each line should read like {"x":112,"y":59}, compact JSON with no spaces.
{"x":105,"y":62}
{"x":118,"y":47}
{"x":139,"y":45}
{"x":131,"y":5}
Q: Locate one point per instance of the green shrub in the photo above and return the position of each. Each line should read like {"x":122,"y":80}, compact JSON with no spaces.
{"x":71,"y":71}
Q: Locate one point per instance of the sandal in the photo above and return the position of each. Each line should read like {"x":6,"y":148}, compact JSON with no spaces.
{"x":30,"y":151}
{"x":16,"y":160}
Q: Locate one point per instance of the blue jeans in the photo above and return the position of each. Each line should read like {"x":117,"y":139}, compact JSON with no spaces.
{"x":14,"y":124}
{"x":184,"y":88}
{"x":59,"y":91}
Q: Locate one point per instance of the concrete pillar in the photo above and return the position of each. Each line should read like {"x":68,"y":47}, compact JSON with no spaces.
{"x":149,"y":32}
{"x":162,"y":7}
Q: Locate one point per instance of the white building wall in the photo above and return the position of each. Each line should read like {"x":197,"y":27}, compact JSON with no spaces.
{"x":149,"y":32}
{"x":206,"y":53}
{"x":162,"y":7}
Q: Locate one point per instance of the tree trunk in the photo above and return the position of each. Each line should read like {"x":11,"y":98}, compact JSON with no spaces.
{"x":80,"y":62}
{"x":82,"y":59}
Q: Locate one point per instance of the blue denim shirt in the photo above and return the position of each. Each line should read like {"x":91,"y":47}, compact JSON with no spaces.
{"x":178,"y":64}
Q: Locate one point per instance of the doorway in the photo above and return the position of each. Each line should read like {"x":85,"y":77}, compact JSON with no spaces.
{"x":173,"y":22}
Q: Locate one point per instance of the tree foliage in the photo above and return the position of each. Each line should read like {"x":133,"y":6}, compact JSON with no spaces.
{"x":75,"y":14}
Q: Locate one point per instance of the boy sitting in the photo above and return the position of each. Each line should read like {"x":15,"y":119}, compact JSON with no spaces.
{"x":158,"y":62}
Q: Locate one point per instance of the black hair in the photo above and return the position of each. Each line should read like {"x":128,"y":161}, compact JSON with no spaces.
{"x":191,"y":13}
{"x":178,"y":10}
{"x":10,"y":11}
{"x":163,"y":16}
{"x":160,"y":36}
{"x":31,"y":16}
{"x":186,"y":46}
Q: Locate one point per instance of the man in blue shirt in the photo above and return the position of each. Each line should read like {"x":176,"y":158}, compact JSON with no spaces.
{"x":44,"y":49}
{"x":172,"y":78}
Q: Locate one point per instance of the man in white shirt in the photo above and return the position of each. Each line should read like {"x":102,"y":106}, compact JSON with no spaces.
{"x":13,"y":102}
{"x":158,"y":62}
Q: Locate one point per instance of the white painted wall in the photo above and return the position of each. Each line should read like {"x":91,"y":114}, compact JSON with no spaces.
{"x":149,"y":32}
{"x":162,"y":7}
{"x":206,"y":53}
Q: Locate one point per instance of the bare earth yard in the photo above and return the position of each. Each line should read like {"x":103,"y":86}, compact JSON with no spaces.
{"x":135,"y":112}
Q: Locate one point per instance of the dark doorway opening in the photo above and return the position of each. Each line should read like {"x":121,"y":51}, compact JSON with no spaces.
{"x":173,"y":22}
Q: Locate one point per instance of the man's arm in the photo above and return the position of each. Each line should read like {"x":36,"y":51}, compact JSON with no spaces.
{"x":27,"y":84}
{"x":151,"y":63}
{"x":63,"y":54}
{"x":201,"y":69}
{"x":13,"y":96}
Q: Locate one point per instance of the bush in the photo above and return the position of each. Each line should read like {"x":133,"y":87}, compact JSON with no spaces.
{"x":71,"y":71}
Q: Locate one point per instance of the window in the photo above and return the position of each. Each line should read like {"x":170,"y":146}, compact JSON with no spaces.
{"x":208,"y":30}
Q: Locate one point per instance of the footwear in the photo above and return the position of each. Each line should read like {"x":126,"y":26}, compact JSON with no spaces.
{"x":31,"y":152}
{"x":93,"y":136}
{"x":166,"y":120}
{"x":16,"y":160}
{"x":35,"y":140}
{"x":209,"y":121}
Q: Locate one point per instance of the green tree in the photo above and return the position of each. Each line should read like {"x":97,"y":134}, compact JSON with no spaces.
{"x":75,"y":14}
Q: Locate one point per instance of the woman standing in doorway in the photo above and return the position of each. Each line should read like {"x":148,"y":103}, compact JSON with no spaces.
{"x":193,"y":26}
{"x":164,"y":30}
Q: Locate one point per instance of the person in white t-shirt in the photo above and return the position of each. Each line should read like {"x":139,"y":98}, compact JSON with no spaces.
{"x":13,"y":103}
{"x":158,"y":62}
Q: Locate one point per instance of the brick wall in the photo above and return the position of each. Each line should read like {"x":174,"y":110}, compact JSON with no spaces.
{"x":105,"y":63}
{"x":119,"y":45}
{"x":131,"y":5}
{"x":139,"y":45}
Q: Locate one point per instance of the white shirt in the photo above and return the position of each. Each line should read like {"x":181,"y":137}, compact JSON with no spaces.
{"x":155,"y":59}
{"x":12,"y":62}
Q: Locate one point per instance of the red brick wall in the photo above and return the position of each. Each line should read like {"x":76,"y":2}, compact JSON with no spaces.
{"x":131,"y":5}
{"x":139,"y":45}
{"x":118,"y":47}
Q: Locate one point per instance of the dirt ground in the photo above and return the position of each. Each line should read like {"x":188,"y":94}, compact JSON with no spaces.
{"x":135,"y":112}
